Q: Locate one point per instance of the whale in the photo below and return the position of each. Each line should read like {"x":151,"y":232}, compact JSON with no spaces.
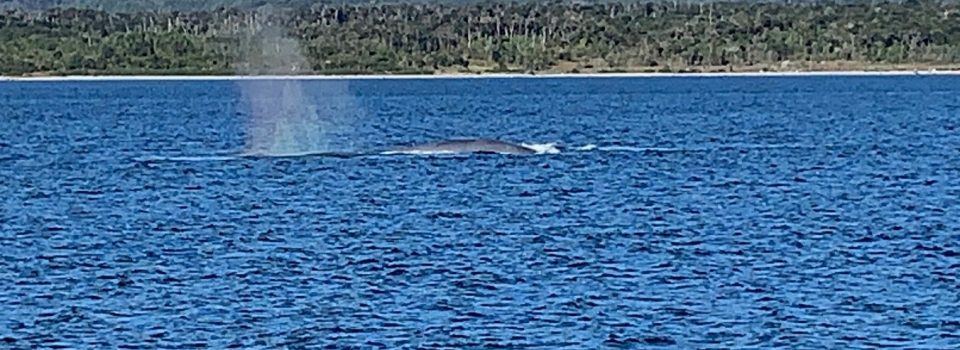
{"x":450,"y":146}
{"x":455,"y":146}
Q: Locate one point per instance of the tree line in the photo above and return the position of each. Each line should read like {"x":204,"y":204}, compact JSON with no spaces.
{"x":195,"y":5}
{"x":475,"y":37}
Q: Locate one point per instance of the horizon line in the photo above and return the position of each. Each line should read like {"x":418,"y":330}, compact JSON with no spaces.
{"x":188,"y":77}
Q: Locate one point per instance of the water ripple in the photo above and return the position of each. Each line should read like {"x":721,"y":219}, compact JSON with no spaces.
{"x":713,"y":213}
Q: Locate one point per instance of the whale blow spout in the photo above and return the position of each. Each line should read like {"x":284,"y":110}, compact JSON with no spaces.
{"x":465,"y":146}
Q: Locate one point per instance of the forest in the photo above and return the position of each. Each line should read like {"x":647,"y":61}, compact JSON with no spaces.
{"x":307,"y":37}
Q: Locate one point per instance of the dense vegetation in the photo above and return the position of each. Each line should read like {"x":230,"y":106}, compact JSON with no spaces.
{"x":471,"y":37}
{"x":193,"y":5}
{"x":160,"y":5}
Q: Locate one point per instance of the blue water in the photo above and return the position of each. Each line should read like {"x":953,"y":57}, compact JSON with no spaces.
{"x":803,"y":212}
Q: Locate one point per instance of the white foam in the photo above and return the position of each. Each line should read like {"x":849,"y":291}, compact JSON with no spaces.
{"x":628,"y":149}
{"x":588,"y":147}
{"x":543,"y":148}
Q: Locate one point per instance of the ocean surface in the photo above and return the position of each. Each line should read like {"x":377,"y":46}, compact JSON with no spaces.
{"x":700,"y":212}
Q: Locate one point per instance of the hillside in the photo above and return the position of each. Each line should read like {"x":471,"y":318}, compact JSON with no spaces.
{"x":483,"y":37}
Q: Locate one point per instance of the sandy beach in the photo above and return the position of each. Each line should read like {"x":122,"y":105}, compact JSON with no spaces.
{"x":479,"y":76}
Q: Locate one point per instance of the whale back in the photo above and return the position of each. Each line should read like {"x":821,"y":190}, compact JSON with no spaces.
{"x":469,"y":146}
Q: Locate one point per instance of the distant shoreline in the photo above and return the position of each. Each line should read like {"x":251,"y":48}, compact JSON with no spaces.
{"x":476,"y":76}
